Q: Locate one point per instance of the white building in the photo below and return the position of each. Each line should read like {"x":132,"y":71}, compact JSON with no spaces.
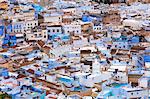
{"x":96,"y":67}
{"x":98,"y":28}
{"x":53,"y":18}
{"x":89,"y":80}
{"x":79,"y":43}
{"x":120,"y":45}
{"x":23,"y":15}
{"x":20,"y":37}
{"x":72,"y":28}
{"x":133,"y":24}
{"x":144,"y":82}
{"x":70,"y":10}
{"x":120,"y":76}
{"x":136,"y":93}
{"x":37,"y":35}
{"x":57,"y":52}
{"x":54,"y":29}
{"x":125,"y":92}
{"x":23,"y":26}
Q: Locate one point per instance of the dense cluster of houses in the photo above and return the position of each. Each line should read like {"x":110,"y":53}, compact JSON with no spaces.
{"x":73,"y":49}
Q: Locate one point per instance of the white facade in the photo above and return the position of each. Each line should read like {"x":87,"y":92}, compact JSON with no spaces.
{"x":97,"y":28}
{"x":147,"y":64}
{"x":120,"y":45}
{"x":72,"y":28}
{"x":30,"y":24}
{"x":57,"y":52}
{"x":80,"y":43}
{"x":23,"y":26}
{"x":42,"y":35}
{"x":24,"y":16}
{"x":70,"y":10}
{"x":49,"y":78}
{"x":53,"y":18}
{"x":96,"y":67}
{"x":90,"y":80}
{"x":121,"y":76}
{"x":54,"y":29}
{"x":20,"y":37}
{"x":147,"y":73}
{"x":137,"y":60}
{"x":18,"y":27}
{"x":144,"y":82}
{"x":136,"y":93}
{"x":133,"y":24}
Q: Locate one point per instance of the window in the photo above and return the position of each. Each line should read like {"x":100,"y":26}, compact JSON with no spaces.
{"x":123,"y":38}
{"x":57,"y":30}
{"x":49,"y":30}
{"x":49,"y":37}
{"x":140,"y":58}
{"x":129,"y":45}
{"x":37,"y":97}
{"x":53,"y":30}
{"x":36,"y":35}
{"x":131,"y":93}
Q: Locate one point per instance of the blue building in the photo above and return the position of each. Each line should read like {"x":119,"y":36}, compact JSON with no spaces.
{"x":86,"y":18}
{"x":1,"y":30}
{"x":9,"y":41}
{"x":146,"y":58}
{"x":9,"y":28}
{"x":4,"y":72}
{"x":37,"y":7}
{"x":90,"y":18}
{"x":62,"y":37}
{"x":29,"y":92}
{"x":135,"y":39}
